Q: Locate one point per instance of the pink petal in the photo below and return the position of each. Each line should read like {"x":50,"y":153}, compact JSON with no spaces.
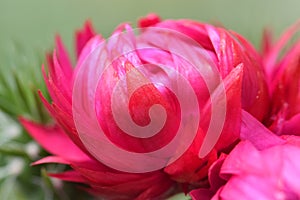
{"x":54,"y":140}
{"x":214,"y":174}
{"x":90,"y":46}
{"x":51,"y":159}
{"x":63,"y":58}
{"x":157,"y":191}
{"x":215,"y":181}
{"x":201,"y":194}
{"x":107,"y":181}
{"x":232,"y":112}
{"x":257,"y":133}
{"x":271,"y":57}
{"x":223,"y":46}
{"x":262,"y":174}
{"x":189,"y":167}
{"x":65,"y":120}
{"x":243,"y":158}
{"x":267,"y":42}
{"x":292,"y":126}
{"x":192,"y":29}
{"x":137,"y":187}
{"x":59,"y":78}
{"x":83,"y":36}
{"x":150,"y":20}
{"x":71,"y":176}
{"x":248,"y":188}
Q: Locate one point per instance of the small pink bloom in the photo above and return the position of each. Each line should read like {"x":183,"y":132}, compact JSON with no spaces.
{"x":262,"y":166}
{"x":272,"y":173}
{"x":283,"y":76}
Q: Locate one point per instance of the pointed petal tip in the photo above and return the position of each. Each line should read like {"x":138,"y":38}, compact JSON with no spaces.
{"x":51,"y":159}
{"x":150,"y":20}
{"x":83,"y":35}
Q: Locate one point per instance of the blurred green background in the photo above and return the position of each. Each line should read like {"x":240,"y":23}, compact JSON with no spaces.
{"x":27,"y":30}
{"x":33,"y":23}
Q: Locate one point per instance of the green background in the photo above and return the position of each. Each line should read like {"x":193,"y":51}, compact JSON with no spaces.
{"x":33,"y":23}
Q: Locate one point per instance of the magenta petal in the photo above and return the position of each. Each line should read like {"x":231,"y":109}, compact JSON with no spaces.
{"x":267,"y":41}
{"x":88,"y":49}
{"x":150,"y":20}
{"x":108,"y":181}
{"x":214,"y":174}
{"x":232,"y":85}
{"x":54,"y":140}
{"x":51,"y":159}
{"x":272,"y":173}
{"x":247,"y":188}
{"x":224,"y":48}
{"x":134,"y":187}
{"x":63,"y":57}
{"x":257,"y":133}
{"x":71,"y":176}
{"x":244,"y":157}
{"x":192,"y":29}
{"x":83,"y":36}
{"x":291,"y":168}
{"x":157,"y":191}
{"x":271,"y":58}
{"x":215,"y":181}
{"x":60,"y":78}
{"x":201,"y":194}
{"x":292,"y":126}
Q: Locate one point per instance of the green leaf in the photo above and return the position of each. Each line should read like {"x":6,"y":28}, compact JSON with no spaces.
{"x":20,"y":79}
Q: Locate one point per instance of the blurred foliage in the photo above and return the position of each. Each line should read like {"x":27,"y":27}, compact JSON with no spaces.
{"x":20,"y":79}
{"x":17,"y":179}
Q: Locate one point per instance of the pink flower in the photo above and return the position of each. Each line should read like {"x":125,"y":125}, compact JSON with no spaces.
{"x":283,"y":73}
{"x":262,"y":166}
{"x":201,"y":75}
